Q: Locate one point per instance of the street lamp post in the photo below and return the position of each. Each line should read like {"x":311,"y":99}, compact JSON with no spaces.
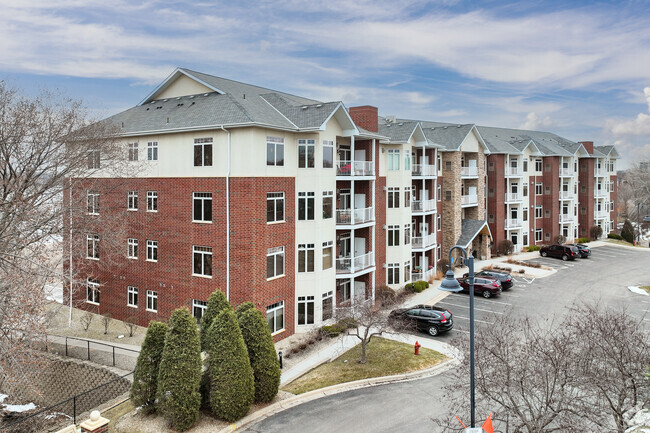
{"x":450,"y":284}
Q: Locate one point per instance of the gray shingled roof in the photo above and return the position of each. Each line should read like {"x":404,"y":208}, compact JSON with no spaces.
{"x":398,"y":131}
{"x":548,"y":143}
{"x":607,"y":150}
{"x":469,"y":230}
{"x":448,"y":135}
{"x":303,"y":116}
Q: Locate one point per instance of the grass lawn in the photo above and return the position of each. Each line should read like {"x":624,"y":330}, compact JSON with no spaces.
{"x":646,"y":288}
{"x":384,"y":358}
{"x":618,"y":241}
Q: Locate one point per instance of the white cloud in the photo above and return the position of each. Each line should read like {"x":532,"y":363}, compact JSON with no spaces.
{"x":640,"y":125}
{"x":533,"y":122}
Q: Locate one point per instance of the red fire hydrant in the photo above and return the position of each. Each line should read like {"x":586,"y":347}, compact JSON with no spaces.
{"x":417,"y":348}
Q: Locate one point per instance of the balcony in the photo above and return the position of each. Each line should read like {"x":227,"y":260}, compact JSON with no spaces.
{"x":420,"y":206}
{"x":514,"y":172}
{"x":513,"y":197}
{"x":423,"y":276}
{"x":599,"y":172}
{"x":514,"y":223}
{"x":601,"y":214}
{"x":469,"y":171}
{"x":566,"y":195}
{"x":421,"y":242}
{"x":423,"y":170}
{"x":566,"y":172}
{"x":355,"y":168}
{"x":600,"y":193}
{"x":351,"y":265}
{"x":351,"y":217}
{"x":566,"y":218}
{"x":469,"y":200}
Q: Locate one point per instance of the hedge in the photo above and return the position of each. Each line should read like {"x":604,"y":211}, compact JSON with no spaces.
{"x":533,"y":247}
{"x":232,"y":388}
{"x":417,"y":286}
{"x":145,"y":378}
{"x":583,"y":240}
{"x":179,"y":377}
{"x":615,"y":236}
{"x":261,"y":353}
{"x":216,"y":303}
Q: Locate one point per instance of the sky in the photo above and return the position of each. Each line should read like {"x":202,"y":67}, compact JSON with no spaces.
{"x":576,"y":68}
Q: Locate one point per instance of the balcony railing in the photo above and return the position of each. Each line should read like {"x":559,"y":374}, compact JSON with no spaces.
{"x":600,"y":193}
{"x":469,"y":171}
{"x":514,"y":223}
{"x":601,"y":214}
{"x":514,"y":171}
{"x":355,"y":216}
{"x":355,"y":168}
{"x":513,"y":196}
{"x":566,"y":172}
{"x":350,"y":265}
{"x":423,"y":276}
{"x":423,"y":205}
{"x":566,"y":195}
{"x":423,"y":241}
{"x":566,"y":218}
{"x":599,"y":172}
{"x":423,"y":170}
{"x":467,"y":200}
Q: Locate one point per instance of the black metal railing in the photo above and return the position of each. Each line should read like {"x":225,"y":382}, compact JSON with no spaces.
{"x":101,"y":353}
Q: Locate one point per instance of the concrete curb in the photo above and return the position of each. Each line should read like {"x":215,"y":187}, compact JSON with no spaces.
{"x":336,"y":389}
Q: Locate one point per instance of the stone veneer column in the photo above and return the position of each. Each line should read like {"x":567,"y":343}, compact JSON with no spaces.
{"x":452,"y":210}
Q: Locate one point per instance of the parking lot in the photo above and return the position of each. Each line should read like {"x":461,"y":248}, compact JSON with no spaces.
{"x":604,"y":277}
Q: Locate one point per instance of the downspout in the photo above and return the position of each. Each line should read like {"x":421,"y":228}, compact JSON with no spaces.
{"x":227,"y":218}
{"x":70,"y":252}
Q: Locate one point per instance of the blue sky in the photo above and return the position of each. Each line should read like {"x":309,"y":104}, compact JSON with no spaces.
{"x":579,"y":69}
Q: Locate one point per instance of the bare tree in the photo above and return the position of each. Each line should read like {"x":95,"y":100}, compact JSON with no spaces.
{"x":47,"y":148}
{"x":633,"y":190}
{"x":554,"y":377}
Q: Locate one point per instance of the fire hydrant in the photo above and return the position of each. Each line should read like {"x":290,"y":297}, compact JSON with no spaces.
{"x":417,"y":348}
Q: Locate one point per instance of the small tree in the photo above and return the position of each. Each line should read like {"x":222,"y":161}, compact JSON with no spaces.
{"x":596,"y":232}
{"x":560,"y":239}
{"x":106,"y":321}
{"x":232,"y":388}
{"x":261,"y":352}
{"x":86,"y":319}
{"x":628,"y":232}
{"x":179,"y":376}
{"x":145,"y":378}
{"x":216,"y":303}
{"x":131,"y":324}
{"x":506,"y":247}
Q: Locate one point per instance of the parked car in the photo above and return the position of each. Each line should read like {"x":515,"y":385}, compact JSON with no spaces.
{"x":428,"y":318}
{"x":504,"y":277}
{"x":486,"y":287}
{"x":583,"y":250}
{"x":564,"y":252}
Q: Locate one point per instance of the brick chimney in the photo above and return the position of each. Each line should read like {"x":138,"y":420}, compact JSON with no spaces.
{"x":365,"y":116}
{"x":589,"y":145}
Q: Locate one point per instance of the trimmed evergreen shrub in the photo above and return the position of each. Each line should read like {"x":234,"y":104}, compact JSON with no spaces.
{"x":534,"y":247}
{"x":627,"y":233}
{"x":232,"y":388}
{"x":216,"y":303}
{"x":615,"y":236}
{"x":145,"y":378}
{"x":261,"y":352}
{"x":583,"y":240}
{"x":417,"y":286}
{"x":179,"y":376}
{"x":244,"y":306}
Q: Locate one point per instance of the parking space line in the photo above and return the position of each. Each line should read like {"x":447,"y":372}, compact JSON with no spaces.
{"x":475,"y":319}
{"x":467,"y":306}
{"x":491,"y":301}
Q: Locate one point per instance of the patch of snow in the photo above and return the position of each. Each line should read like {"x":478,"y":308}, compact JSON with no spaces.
{"x":638,"y":290}
{"x":54,"y":292}
{"x":19,"y":407}
{"x":55,"y":414}
{"x":2,"y":397}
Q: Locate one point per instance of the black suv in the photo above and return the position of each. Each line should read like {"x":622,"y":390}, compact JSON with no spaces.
{"x":504,"y":277}
{"x":429,"y":318}
{"x":564,"y":252}
{"x":584,"y":250}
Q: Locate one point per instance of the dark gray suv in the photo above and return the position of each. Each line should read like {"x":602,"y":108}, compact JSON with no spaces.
{"x":564,"y":252}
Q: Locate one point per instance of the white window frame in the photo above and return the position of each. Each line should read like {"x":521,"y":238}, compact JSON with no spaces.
{"x":329,"y":298}
{"x":94,"y":159}
{"x":132,"y":248}
{"x":198,"y":305}
{"x":304,"y":303}
{"x":92,"y":201}
{"x":152,"y":201}
{"x":204,"y":257}
{"x":306,"y":256}
{"x":133,"y":151}
{"x":273,"y":310}
{"x":539,"y":235}
{"x":276,"y":201}
{"x":539,"y":211}
{"x":152,"y":301}
{"x":132,"y":201}
{"x":392,"y":273}
{"x":92,"y":291}
{"x":539,"y":186}
{"x":92,"y":246}
{"x":132,"y":297}
{"x":205,"y":149}
{"x":309,"y":202}
{"x":438,"y":222}
{"x":202,"y":201}
{"x":392,"y":235}
{"x":152,"y":251}
{"x":152,"y":151}
{"x":393,"y":159}
{"x":328,"y":251}
{"x":273,"y":252}
{"x":309,"y":146}
{"x":277,"y":143}
{"x":328,"y":196}
{"x":392,"y":197}
{"x":328,"y":148}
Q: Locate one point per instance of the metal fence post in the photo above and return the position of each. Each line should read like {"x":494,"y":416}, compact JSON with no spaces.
{"x":88,"y":349}
{"x":113,"y":356}
{"x":66,"y":346}
{"x":74,"y":409}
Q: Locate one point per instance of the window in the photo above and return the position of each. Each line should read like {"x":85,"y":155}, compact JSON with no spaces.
{"x":538,"y":235}
{"x":203,"y":152}
{"x":491,"y":166}
{"x":132,"y":250}
{"x":328,"y":305}
{"x":152,"y":151}
{"x":525,"y":170}
{"x":132,"y":200}
{"x":132,"y":296}
{"x":525,"y":190}
{"x":92,"y":291}
{"x":448,"y":195}
{"x":447,"y":165}
{"x":407,"y":271}
{"x":306,"y":150}
{"x":93,"y":158}
{"x":133,"y":151}
{"x":305,"y":206}
{"x":547,"y":236}
{"x":152,"y":251}
{"x":538,"y":188}
{"x":152,"y":301}
{"x":547,"y":190}
{"x":306,"y":257}
{"x":407,"y":196}
{"x":92,"y":246}
{"x":439,"y":251}
{"x":275,"y":151}
{"x":491,"y":218}
{"x":202,"y":261}
{"x":393,"y":197}
{"x":199,"y":308}
{"x":393,"y":159}
{"x":92,"y":200}
{"x":407,"y":234}
{"x":491,"y":192}
{"x":524,"y":214}
{"x":274,"y":262}
{"x":393,"y":236}
{"x":328,"y":154}
{"x":538,"y":166}
{"x":305,"y":310}
{"x":274,"y":207}
{"x":538,"y":211}
{"x":202,"y":207}
{"x":407,"y":161}
{"x":327,"y":254}
{"x":393,"y":273}
{"x":328,"y":203}
{"x":152,"y":201}
{"x":439,"y":222}
{"x":275,"y":317}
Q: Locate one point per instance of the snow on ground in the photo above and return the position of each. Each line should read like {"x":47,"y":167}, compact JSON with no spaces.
{"x":638,"y":290}
{"x":2,"y":397}
{"x":54,"y":292}
{"x":15,"y":407}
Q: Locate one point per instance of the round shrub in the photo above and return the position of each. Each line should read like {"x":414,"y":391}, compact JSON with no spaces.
{"x":615,"y":236}
{"x":261,"y":353}
{"x":216,"y":303}
{"x":534,"y":247}
{"x":179,"y":375}
{"x":145,"y":378}
{"x":232,"y":388}
{"x":385,"y":295}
